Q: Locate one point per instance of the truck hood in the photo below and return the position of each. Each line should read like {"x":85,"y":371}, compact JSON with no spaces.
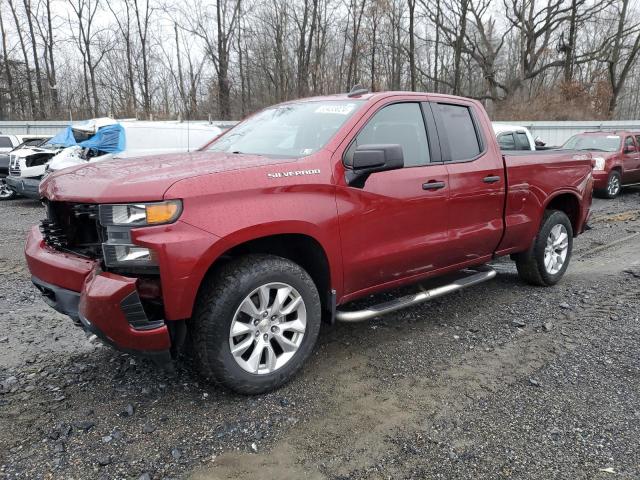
{"x":144,"y":178}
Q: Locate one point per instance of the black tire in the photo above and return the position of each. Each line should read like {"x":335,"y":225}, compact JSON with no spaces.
{"x":614,"y":186}
{"x":5,"y":192}
{"x":220,"y":297}
{"x":530,"y":264}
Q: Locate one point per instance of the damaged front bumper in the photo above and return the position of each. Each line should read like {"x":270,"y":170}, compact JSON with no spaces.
{"x":103,"y":303}
{"x":27,"y":187}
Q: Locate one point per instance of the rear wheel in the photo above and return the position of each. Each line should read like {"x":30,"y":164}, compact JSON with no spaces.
{"x":548,"y":258}
{"x":255,"y":323}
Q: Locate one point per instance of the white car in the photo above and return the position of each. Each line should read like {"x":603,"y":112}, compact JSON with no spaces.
{"x":9,"y":142}
{"x":26,"y":147}
{"x":513,"y":137}
{"x":104,"y":139}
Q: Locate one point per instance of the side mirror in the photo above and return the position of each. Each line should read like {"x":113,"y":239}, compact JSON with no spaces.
{"x":368,"y":159}
{"x":630,"y":149}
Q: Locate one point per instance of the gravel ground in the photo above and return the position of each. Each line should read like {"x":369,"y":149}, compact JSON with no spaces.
{"x":499,"y":381}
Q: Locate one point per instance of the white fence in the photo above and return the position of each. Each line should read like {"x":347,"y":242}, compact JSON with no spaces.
{"x":51,"y":127}
{"x":552,"y":133}
{"x":556,"y":133}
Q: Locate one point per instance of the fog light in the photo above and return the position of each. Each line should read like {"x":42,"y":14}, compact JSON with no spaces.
{"x":128,"y":255}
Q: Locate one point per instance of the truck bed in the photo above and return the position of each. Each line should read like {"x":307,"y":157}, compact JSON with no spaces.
{"x":532,"y":185}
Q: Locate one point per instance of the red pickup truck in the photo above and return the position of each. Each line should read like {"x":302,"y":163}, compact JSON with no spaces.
{"x":237,"y":252}
{"x":616,"y":158}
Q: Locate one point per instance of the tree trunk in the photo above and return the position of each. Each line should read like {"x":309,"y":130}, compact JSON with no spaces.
{"x":143,"y":26}
{"x":53,"y":83}
{"x":412,"y":46}
{"x":570,"y":47}
{"x":457,"y":73}
{"x":36,"y":62}
{"x":32,"y":98}
{"x":7,"y":69}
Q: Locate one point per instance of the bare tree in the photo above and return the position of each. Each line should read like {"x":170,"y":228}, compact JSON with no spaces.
{"x":622,"y":55}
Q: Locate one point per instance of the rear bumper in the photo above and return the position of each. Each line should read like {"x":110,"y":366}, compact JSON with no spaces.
{"x":103,"y":303}
{"x":27,"y":187}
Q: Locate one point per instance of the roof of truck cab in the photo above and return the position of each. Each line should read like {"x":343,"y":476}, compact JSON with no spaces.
{"x":610,"y":132}
{"x":504,"y":127}
{"x":372,"y":96}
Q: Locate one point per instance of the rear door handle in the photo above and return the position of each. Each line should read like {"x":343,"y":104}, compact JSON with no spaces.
{"x":432,"y":185}
{"x":491,"y":179}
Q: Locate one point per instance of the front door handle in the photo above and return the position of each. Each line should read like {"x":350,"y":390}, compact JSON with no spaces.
{"x":491,"y":179}
{"x":432,"y":185}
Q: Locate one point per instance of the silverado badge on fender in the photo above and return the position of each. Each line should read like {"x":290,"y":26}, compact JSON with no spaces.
{"x":315,"y":171}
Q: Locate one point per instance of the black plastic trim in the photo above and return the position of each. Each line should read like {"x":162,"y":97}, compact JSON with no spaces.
{"x":60,"y":299}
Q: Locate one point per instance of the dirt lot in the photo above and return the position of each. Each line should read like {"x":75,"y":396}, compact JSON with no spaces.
{"x":499,"y":381}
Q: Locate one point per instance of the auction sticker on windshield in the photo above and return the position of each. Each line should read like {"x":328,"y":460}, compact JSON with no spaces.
{"x":345,"y":109}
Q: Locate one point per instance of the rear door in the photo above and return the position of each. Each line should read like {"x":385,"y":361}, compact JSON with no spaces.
{"x":476,"y":180}
{"x":395,"y":227}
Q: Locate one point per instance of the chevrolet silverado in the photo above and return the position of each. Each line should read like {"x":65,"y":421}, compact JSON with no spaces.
{"x":237,"y":252}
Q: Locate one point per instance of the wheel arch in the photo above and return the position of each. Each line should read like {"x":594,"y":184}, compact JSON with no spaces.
{"x":298,"y":245}
{"x":569,"y":203}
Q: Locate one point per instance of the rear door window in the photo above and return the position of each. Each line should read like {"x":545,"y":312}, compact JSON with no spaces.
{"x":400,"y":124}
{"x":5,"y":142}
{"x":460,"y":129}
{"x":506,"y":141}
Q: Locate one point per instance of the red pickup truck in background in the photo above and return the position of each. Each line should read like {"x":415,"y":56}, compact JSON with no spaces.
{"x":616,"y":158}
{"x":238,"y":251}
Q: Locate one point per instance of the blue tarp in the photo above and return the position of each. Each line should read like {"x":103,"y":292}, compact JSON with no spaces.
{"x":64,"y":138}
{"x":108,"y":139}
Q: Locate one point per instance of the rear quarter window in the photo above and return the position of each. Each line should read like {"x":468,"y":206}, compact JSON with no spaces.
{"x":460,"y":130}
{"x":5,"y":142}
{"x":523,"y":141}
{"x":506,"y":141}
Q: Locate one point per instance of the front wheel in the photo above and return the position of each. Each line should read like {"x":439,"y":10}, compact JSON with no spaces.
{"x":614,"y":185}
{"x":546,"y":261}
{"x":5,"y":192}
{"x":255,"y":323}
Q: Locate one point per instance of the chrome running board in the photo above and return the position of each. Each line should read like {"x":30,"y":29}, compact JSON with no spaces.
{"x":471,"y":277}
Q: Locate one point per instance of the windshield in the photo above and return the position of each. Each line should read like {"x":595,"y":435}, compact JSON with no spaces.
{"x":291,"y":130}
{"x":595,"y":143}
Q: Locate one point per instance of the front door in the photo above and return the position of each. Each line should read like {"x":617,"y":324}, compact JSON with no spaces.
{"x":395,"y":227}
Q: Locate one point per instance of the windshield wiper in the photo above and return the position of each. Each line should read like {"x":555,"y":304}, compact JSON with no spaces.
{"x":592,"y":149}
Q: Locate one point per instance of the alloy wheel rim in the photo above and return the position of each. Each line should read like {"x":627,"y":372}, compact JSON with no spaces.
{"x":5,"y":191}
{"x":267,"y":328}
{"x":614,"y":185}
{"x":555,"y":252}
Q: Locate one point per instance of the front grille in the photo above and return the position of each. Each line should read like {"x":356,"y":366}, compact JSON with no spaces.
{"x":14,"y":165}
{"x":73,"y":227}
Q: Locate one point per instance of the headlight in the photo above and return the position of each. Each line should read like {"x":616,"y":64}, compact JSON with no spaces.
{"x":140,"y":214}
{"x":598,"y":163}
{"x":120,"y":219}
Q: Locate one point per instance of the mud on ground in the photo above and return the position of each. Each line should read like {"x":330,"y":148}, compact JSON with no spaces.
{"x":502,"y":380}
